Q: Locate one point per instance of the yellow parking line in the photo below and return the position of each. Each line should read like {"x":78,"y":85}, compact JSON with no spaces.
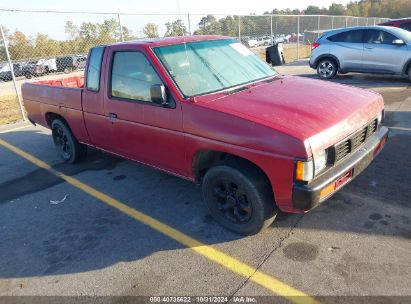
{"x":236,"y":266}
{"x":14,"y":129}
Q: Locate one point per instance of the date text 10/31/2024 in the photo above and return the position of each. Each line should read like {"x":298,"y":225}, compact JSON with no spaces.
{"x":202,"y":299}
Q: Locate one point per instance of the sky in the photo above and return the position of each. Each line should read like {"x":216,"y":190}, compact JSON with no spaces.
{"x":53,"y":24}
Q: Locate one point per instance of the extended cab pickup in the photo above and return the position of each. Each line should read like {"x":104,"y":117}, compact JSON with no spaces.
{"x":207,"y":109}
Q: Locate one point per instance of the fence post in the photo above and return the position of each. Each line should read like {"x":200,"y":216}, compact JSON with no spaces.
{"x":298,"y":37}
{"x":121,"y":27}
{"x":189,"y":24}
{"x":346,"y":21}
{"x":12,"y":73}
{"x":239,"y":27}
{"x":318,"y":33}
{"x":332,"y":22}
{"x":271,"y":29}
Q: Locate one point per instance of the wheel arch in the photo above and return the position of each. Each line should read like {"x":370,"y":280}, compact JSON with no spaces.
{"x":205,"y":159}
{"x":50,"y":116}
{"x":407,"y":66}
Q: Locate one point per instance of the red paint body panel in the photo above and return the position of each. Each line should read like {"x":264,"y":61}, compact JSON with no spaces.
{"x":270,"y":123}
{"x":397,"y":23}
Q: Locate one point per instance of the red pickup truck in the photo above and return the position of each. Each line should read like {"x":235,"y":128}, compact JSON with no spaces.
{"x":207,"y":109}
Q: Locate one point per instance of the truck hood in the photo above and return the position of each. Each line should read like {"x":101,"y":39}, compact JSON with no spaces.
{"x":319,"y":113}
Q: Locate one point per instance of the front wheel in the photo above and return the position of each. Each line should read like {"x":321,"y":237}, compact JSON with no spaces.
{"x":409,"y":74}
{"x":239,"y":197}
{"x":327,"y":69}
{"x":67,"y":145}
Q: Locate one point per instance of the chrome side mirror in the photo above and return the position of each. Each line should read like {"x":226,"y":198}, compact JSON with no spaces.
{"x":158,"y":94}
{"x":398,"y":42}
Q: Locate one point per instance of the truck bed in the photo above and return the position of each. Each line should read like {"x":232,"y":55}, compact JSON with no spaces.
{"x":69,"y":82}
{"x":60,"y":96}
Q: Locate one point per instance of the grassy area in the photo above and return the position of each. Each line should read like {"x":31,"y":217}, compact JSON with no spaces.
{"x":9,"y":109}
{"x":290,"y":52}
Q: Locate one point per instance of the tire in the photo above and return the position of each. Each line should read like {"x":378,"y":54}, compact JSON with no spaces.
{"x":239,"y":197}
{"x":67,"y":145}
{"x":409,"y":74}
{"x":327,"y":68}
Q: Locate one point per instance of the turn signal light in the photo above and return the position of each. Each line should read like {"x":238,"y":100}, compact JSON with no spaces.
{"x":327,"y":191}
{"x":304,"y":170}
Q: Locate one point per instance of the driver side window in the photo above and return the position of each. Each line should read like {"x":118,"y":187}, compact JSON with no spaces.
{"x":379,"y":37}
{"x":132,"y":76}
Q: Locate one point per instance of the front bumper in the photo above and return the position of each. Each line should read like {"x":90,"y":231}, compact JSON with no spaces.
{"x":320,"y":189}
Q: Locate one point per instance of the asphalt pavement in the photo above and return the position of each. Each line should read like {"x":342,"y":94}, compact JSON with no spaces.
{"x":355,"y":244}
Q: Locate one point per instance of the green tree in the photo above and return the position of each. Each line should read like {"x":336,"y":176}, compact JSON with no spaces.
{"x":20,"y":47}
{"x":71,"y":30}
{"x":151,"y":30}
{"x":127,"y":35}
{"x":313,"y":10}
{"x":353,"y":9}
{"x":337,"y":9}
{"x":176,"y":28}
{"x":45,"y":47}
{"x":3,"y":56}
{"x":209,"y":26}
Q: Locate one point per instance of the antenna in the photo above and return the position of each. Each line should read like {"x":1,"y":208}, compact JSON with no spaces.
{"x":185,"y":50}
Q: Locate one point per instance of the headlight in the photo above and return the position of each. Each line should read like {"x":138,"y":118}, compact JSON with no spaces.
{"x":306,"y":170}
{"x":320,"y":162}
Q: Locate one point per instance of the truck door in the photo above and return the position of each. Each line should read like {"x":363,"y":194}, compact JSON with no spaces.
{"x":141,"y":129}
{"x":96,"y":121}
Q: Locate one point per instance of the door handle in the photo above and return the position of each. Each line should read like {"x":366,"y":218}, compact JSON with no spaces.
{"x":112,"y":115}
{"x":369,"y":47}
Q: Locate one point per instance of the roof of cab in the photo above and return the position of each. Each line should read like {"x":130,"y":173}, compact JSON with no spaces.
{"x":153,"y":42}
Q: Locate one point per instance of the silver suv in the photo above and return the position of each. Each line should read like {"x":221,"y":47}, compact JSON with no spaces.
{"x":370,"y":49}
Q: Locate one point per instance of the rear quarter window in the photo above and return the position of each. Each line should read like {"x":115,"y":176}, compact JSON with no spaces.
{"x":94,"y":69}
{"x":355,"y":36}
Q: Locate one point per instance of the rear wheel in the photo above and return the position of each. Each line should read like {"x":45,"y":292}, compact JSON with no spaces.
{"x":239,"y":197}
{"x":327,"y":68}
{"x":409,"y":74}
{"x":67,"y":145}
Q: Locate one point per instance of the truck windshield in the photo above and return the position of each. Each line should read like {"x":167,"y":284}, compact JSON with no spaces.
{"x":210,"y":66}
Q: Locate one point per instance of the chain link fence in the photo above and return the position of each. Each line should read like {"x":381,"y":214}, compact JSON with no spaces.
{"x":41,"y":44}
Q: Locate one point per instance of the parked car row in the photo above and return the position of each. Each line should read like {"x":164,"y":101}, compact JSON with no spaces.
{"x":38,"y":67}
{"x":266,"y":40}
{"x":368,"y":49}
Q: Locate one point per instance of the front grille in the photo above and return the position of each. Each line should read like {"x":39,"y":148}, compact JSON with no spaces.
{"x":342,"y":149}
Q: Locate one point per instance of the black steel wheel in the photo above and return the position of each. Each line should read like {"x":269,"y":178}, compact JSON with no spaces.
{"x":239,"y":197}
{"x":67,"y":145}
{"x":232,"y":200}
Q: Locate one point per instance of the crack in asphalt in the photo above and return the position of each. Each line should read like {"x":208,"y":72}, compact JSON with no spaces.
{"x":279,"y":245}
